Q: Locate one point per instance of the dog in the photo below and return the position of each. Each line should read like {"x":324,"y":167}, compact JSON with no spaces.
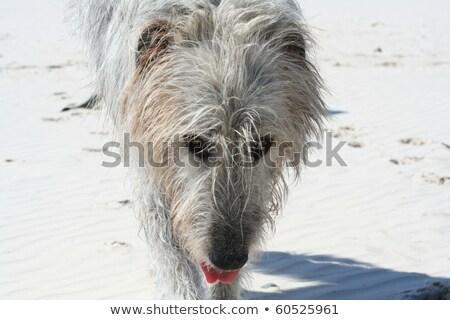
{"x":187,"y":79}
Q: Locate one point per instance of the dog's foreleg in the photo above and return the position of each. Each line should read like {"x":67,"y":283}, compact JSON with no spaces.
{"x":176,"y":276}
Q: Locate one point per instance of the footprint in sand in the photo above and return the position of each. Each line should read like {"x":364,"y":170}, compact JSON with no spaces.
{"x":52,"y":119}
{"x":271,"y":287}
{"x":121,"y":247}
{"x":433,"y":291}
{"x":56,"y":66}
{"x":125,"y":202}
{"x":355,"y":144}
{"x":406,"y":160}
{"x":413,"y":141}
{"x":14,"y":161}
{"x":432,"y":178}
{"x":62,"y":95}
{"x":343,"y":132}
{"x":120,"y":244}
{"x":348,"y":133}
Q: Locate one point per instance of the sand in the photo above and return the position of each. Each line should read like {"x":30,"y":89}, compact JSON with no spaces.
{"x":378,"y":228}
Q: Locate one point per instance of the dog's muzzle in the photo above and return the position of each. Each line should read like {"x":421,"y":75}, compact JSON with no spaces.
{"x":229,"y":259}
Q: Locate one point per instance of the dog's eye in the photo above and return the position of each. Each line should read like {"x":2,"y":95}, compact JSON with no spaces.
{"x":259,"y":149}
{"x":199,"y":147}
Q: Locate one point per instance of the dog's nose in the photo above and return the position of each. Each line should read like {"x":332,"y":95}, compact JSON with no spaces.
{"x":229,"y":259}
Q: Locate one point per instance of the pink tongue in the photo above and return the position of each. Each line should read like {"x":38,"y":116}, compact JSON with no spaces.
{"x":213,"y":275}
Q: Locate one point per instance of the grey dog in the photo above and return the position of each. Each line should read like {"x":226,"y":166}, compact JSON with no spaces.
{"x":207,"y":75}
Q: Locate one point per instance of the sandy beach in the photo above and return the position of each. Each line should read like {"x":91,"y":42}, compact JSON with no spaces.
{"x":378,"y":228}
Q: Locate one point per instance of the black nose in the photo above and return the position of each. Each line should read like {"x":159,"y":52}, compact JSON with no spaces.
{"x":229,"y":259}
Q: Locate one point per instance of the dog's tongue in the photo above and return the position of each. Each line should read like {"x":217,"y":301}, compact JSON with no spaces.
{"x":213,"y":275}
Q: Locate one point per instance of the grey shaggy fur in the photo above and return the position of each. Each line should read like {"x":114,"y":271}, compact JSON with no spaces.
{"x":230,"y":73}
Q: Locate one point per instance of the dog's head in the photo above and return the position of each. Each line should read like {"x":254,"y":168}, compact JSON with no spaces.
{"x":226,"y":97}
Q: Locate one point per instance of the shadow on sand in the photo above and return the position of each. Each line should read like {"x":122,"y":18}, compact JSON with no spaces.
{"x":332,"y":278}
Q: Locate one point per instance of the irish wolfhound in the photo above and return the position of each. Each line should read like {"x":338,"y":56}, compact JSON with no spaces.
{"x":206,"y":75}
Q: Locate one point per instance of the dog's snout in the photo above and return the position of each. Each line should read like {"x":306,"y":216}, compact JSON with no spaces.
{"x":229,"y":259}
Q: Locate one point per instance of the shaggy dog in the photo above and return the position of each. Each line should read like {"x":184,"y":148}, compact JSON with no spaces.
{"x":222,"y":96}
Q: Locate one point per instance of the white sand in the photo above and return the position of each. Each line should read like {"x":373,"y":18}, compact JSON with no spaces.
{"x":371,"y":230}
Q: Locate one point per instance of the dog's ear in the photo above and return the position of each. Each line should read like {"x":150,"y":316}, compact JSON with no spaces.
{"x":153,"y":43}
